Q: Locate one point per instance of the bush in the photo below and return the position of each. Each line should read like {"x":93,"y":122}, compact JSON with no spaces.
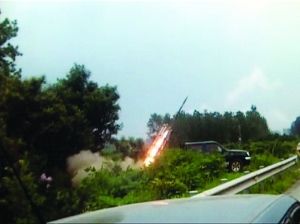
{"x":172,"y":174}
{"x":15,"y":207}
{"x":262,"y":160}
{"x":277,"y":184}
{"x":284,"y":149}
{"x":277,"y":148}
{"x":107,"y":188}
{"x":193,"y":169}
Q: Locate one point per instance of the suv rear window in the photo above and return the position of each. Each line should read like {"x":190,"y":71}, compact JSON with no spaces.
{"x":204,"y":147}
{"x":199,"y":147}
{"x":210,"y":148}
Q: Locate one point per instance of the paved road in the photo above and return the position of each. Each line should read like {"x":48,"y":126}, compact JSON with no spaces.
{"x":295,"y":190}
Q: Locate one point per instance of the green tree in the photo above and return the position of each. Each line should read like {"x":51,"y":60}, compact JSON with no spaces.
{"x":61,"y":119}
{"x":15,"y":207}
{"x":53,"y":121}
{"x":154,"y":124}
{"x":8,"y":52}
{"x":256,"y":125}
{"x":130,"y":147}
{"x":42,"y":125}
{"x":9,"y":79}
{"x":98,"y":105}
{"x":295,"y":127}
{"x":227,"y":127}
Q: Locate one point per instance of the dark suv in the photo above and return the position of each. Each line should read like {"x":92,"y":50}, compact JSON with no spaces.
{"x":235,"y":158}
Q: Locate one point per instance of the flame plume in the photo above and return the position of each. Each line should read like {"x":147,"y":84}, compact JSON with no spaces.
{"x":158,"y":144}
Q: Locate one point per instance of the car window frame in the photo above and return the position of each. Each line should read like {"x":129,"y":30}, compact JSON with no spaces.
{"x":289,"y":215}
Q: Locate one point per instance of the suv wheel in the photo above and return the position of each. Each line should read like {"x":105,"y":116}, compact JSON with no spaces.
{"x":235,"y":166}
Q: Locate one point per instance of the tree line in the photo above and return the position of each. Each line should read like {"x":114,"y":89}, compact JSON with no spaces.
{"x":228,"y":127}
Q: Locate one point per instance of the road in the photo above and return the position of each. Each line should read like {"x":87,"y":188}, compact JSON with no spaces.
{"x":294,"y":190}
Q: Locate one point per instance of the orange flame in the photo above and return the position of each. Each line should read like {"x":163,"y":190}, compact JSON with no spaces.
{"x":158,"y":144}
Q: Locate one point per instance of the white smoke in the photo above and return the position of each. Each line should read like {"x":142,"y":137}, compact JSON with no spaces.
{"x":84,"y":159}
{"x":129,"y":163}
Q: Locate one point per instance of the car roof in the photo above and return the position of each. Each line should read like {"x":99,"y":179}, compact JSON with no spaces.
{"x":203,"y":142}
{"x":211,"y":209}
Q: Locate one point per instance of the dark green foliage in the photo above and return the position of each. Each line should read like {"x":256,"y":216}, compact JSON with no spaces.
{"x":15,"y":208}
{"x":264,"y":153}
{"x":259,"y":161}
{"x":227,"y":127}
{"x":155,"y":122}
{"x":278,"y":184}
{"x":295,"y":127}
{"x":172,"y":175}
{"x":43,"y":124}
{"x":193,"y":169}
{"x":132,"y":147}
{"x":107,"y":188}
{"x":277,"y":148}
{"x":58,"y":120}
{"x":76,"y":114}
{"x":8,"y":52}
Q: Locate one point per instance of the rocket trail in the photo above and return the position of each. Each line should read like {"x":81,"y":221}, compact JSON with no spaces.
{"x":161,"y":139}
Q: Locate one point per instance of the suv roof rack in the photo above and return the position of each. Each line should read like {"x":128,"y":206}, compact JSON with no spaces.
{"x":196,"y":143}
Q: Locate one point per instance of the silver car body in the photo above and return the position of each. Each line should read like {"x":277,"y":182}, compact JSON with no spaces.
{"x":212,"y":209}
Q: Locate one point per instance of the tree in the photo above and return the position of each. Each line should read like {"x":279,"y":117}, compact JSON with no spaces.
{"x":71,"y":115}
{"x":155,"y":123}
{"x":57,"y":120}
{"x":98,"y":105}
{"x":295,"y":127}
{"x":44,"y":124}
{"x":8,"y":52}
{"x":130,"y":147}
{"x":225,"y":128}
{"x":15,"y":207}
{"x":256,"y":125}
{"x":9,"y":77}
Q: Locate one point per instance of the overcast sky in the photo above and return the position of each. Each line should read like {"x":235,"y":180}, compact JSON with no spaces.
{"x":224,"y":55}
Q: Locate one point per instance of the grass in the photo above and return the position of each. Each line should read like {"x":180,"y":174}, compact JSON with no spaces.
{"x":277,"y":184}
{"x":223,"y":178}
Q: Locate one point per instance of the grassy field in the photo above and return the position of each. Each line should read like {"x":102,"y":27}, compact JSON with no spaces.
{"x":277,"y":184}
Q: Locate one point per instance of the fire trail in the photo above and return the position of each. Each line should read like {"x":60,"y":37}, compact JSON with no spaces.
{"x":161,"y":139}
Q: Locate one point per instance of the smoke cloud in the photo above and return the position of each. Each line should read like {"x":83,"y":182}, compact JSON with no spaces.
{"x":76,"y":164}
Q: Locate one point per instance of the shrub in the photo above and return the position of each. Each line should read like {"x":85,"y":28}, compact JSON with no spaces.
{"x":15,"y":207}
{"x":172,"y":174}
{"x":262,"y":160}
{"x":192,"y":169}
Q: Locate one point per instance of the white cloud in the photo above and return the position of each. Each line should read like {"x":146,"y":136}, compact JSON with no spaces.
{"x":251,"y":84}
{"x":277,"y":119}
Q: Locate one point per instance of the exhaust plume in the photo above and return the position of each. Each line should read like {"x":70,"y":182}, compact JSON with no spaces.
{"x":76,"y":164}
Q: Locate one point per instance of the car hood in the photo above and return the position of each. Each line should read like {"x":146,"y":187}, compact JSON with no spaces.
{"x":211,"y":209}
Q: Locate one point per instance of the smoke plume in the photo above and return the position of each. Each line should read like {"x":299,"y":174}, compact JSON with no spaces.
{"x":76,"y":164}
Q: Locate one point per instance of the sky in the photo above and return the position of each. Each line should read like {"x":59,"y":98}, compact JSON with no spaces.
{"x":224,"y":55}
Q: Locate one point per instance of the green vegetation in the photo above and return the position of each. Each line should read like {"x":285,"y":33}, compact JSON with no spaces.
{"x":173,"y":174}
{"x":295,"y":127}
{"x":277,"y":184}
{"x":224,"y":128}
{"x":42,"y":124}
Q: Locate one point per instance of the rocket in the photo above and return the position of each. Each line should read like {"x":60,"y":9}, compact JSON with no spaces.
{"x":180,"y":108}
{"x":161,"y":139}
